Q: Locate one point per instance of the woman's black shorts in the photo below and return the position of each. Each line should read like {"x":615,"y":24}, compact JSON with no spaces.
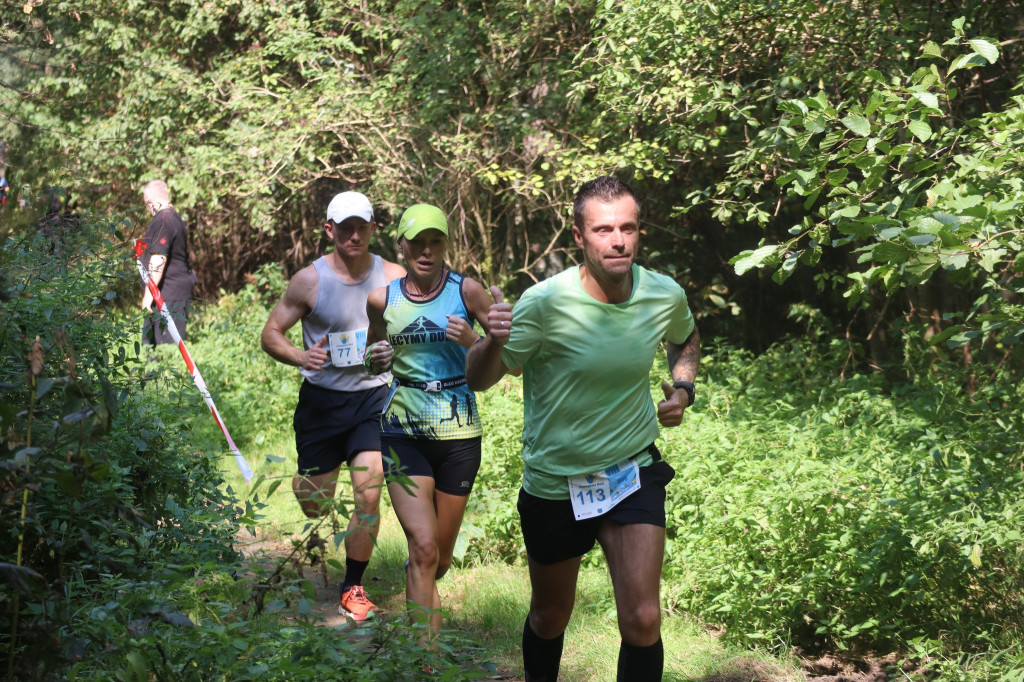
{"x":451,"y":463}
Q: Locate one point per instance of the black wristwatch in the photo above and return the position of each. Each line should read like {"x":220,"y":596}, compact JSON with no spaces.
{"x":688,"y":387}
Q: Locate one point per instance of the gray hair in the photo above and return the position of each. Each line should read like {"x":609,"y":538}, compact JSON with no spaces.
{"x":156,"y":192}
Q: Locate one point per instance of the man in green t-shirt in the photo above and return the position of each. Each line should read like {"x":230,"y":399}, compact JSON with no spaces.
{"x":586,"y":340}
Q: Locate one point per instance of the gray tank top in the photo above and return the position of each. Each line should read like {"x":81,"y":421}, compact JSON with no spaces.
{"x":340,"y":314}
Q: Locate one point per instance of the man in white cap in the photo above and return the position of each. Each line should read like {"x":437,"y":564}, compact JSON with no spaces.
{"x":337,"y":419}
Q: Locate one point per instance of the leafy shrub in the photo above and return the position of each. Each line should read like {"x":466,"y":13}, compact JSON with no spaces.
{"x":249,"y":386}
{"x":822,"y":512}
{"x":815,"y":511}
{"x":97,"y":476}
{"x":491,"y":529}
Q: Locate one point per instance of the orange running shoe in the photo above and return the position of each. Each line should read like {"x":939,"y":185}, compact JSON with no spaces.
{"x":355,"y":604}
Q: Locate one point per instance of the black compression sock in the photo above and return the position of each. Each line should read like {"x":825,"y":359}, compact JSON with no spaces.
{"x":353,"y":572}
{"x":641,"y":663}
{"x":541,"y":657}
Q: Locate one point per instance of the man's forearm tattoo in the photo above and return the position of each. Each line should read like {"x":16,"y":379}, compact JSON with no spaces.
{"x":684,"y":359}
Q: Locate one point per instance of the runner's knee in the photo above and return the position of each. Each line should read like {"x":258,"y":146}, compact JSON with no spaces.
{"x":367,"y":499}
{"x":314,"y":508}
{"x":640,"y":623}
{"x":424,"y":553}
{"x":549,"y":620}
{"x":313,"y":500}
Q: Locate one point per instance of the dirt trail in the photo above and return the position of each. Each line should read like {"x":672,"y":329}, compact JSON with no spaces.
{"x":271,"y":550}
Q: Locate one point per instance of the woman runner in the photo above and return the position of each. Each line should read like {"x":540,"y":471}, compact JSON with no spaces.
{"x":430,"y":429}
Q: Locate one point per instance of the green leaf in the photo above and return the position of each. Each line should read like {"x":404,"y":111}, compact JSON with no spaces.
{"x":874,"y":101}
{"x":837,"y":177}
{"x":921,"y":269}
{"x":43,"y":387}
{"x":928,"y":99}
{"x":851,"y":211}
{"x":991,"y":257}
{"x":954,"y":261}
{"x":815,"y":124}
{"x":945,"y":334}
{"x":803,"y":139}
{"x":857,"y":124}
{"x":807,"y":177}
{"x":753,"y":259}
{"x":876,"y":75}
{"x":793,"y":107}
{"x":890,"y":252}
{"x":972,"y":59}
{"x":855,"y":228}
{"x":830,"y":140}
{"x":931,"y":49}
{"x":811,"y":198}
{"x":985,"y":49}
{"x":920,"y":130}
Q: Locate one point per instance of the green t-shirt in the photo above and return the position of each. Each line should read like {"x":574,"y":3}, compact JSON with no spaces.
{"x":586,"y":373}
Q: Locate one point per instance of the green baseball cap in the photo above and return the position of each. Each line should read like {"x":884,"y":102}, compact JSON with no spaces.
{"x":421,"y":217}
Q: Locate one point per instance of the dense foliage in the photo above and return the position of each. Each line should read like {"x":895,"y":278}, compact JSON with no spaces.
{"x":856,"y":513}
{"x":863,"y":156}
{"x":103,"y":497}
{"x":864,"y":142}
{"x":823,"y":513}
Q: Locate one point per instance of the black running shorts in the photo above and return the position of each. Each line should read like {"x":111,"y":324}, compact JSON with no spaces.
{"x":552,"y":533}
{"x":332,"y":427}
{"x":451,"y":463}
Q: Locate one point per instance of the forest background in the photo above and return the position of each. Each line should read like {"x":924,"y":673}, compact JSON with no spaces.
{"x":844,"y":172}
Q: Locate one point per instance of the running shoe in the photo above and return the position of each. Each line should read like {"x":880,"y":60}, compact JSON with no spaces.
{"x":355,"y":604}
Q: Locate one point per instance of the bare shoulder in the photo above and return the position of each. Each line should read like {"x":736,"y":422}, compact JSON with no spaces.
{"x":477,"y":299}
{"x":392,"y":271}
{"x":303,"y":287}
{"x":473,"y":289}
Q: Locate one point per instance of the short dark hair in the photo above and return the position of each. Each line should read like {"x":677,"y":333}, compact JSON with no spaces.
{"x":606,"y":188}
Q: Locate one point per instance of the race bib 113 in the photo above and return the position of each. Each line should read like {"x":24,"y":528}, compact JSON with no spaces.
{"x":594,"y":494}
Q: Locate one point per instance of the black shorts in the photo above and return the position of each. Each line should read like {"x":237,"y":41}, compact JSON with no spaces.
{"x":552,"y":533}
{"x":451,"y":463}
{"x":154,"y":328}
{"x":332,"y":427}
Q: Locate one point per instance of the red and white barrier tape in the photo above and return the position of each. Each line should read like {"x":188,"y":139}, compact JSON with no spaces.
{"x":140,"y":249}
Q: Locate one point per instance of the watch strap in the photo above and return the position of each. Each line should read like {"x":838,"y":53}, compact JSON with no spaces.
{"x":686,"y":386}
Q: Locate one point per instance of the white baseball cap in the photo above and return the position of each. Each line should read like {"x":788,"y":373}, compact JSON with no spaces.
{"x":348,"y":204}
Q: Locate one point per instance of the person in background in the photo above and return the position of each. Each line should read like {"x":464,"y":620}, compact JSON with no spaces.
{"x":167,"y":260}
